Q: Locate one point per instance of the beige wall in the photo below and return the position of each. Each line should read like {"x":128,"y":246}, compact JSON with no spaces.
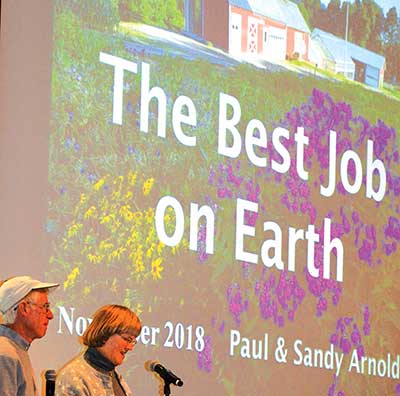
{"x":25,"y":70}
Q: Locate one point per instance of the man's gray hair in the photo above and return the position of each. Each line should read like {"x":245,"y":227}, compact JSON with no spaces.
{"x":9,"y":316}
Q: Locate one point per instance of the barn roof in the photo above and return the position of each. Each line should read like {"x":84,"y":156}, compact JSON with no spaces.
{"x":283,"y":11}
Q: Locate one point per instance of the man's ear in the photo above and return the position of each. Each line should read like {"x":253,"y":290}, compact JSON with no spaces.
{"x":23,"y":308}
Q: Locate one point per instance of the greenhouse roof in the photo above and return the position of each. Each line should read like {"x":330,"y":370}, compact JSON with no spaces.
{"x":340,"y":51}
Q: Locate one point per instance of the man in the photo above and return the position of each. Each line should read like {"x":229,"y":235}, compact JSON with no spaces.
{"x":25,"y":313}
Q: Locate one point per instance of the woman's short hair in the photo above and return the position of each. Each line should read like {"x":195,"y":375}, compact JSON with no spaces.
{"x":110,"y":320}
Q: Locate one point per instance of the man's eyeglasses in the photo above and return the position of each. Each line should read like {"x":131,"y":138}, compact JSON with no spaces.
{"x":43,"y":307}
{"x":129,"y":339}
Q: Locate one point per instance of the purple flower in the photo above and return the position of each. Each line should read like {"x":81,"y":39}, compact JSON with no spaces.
{"x":68,"y":143}
{"x":365,"y":251}
{"x":360,"y":351}
{"x":334,"y":339}
{"x":236,"y":303}
{"x":345,"y":345}
{"x":355,"y":217}
{"x":367,"y":329}
{"x":366,"y":314}
{"x":204,"y":358}
{"x":348,"y":320}
{"x":322,"y":304}
{"x":335,"y":299}
{"x":356,"y":337}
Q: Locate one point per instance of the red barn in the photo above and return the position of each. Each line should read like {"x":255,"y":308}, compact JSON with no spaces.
{"x":262,"y":29}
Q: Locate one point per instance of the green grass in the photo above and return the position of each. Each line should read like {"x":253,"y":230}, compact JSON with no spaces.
{"x":391,"y":90}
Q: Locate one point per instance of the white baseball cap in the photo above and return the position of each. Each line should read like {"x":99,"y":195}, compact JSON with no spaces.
{"x":15,"y":289}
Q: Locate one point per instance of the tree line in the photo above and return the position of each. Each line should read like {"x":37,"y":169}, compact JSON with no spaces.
{"x":368,"y":27}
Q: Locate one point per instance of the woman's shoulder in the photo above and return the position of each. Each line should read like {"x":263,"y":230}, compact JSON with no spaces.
{"x":77,"y":364}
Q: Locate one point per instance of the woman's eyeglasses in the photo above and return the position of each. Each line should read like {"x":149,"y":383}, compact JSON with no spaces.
{"x":129,"y":339}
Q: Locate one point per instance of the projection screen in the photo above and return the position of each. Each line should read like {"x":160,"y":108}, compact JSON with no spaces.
{"x":220,"y":169}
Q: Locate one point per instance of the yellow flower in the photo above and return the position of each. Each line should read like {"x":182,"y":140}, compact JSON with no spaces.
{"x":86,"y":249}
{"x":184,"y":243}
{"x":91,"y":212}
{"x":117,"y":253}
{"x":99,"y":184}
{"x":150,"y":236}
{"x":138,"y":309}
{"x":138,"y":259}
{"x":115,"y":196}
{"x":126,"y":213}
{"x":156,"y":268}
{"x":83,"y":198}
{"x":106,"y":219}
{"x":160,"y":248}
{"x":86,"y":291}
{"x":138,"y":217}
{"x":132,"y":178}
{"x":74,"y":229}
{"x":119,"y":180}
{"x":113,"y":287}
{"x":148,"y":185}
{"x":95,"y":259}
{"x":71,"y":278}
{"x":89,"y":239}
{"x":115,"y":226}
{"x":105,"y":246}
{"x":150,"y":250}
{"x":149,"y":215}
{"x":104,"y":204}
{"x":128,"y":195}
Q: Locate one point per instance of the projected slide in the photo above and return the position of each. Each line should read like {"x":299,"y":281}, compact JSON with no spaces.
{"x":212,"y":168}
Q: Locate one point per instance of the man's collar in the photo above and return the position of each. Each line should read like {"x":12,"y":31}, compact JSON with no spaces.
{"x":5,"y":331}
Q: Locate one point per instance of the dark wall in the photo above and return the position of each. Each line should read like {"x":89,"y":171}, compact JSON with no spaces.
{"x":216,"y":23}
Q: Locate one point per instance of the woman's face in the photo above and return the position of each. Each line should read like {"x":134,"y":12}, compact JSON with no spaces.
{"x":116,"y":347}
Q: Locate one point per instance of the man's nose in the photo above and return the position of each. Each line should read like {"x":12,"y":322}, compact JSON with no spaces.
{"x":50,"y":315}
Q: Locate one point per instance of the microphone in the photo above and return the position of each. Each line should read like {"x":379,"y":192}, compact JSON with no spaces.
{"x":164,"y":373}
{"x":50,"y":376}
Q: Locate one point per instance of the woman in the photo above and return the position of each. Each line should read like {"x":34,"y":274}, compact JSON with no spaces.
{"x":110,"y":335}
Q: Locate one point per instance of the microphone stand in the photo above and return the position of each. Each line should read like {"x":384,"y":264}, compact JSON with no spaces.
{"x":167,"y":390}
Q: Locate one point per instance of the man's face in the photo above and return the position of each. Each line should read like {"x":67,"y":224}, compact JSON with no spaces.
{"x":38,"y":314}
